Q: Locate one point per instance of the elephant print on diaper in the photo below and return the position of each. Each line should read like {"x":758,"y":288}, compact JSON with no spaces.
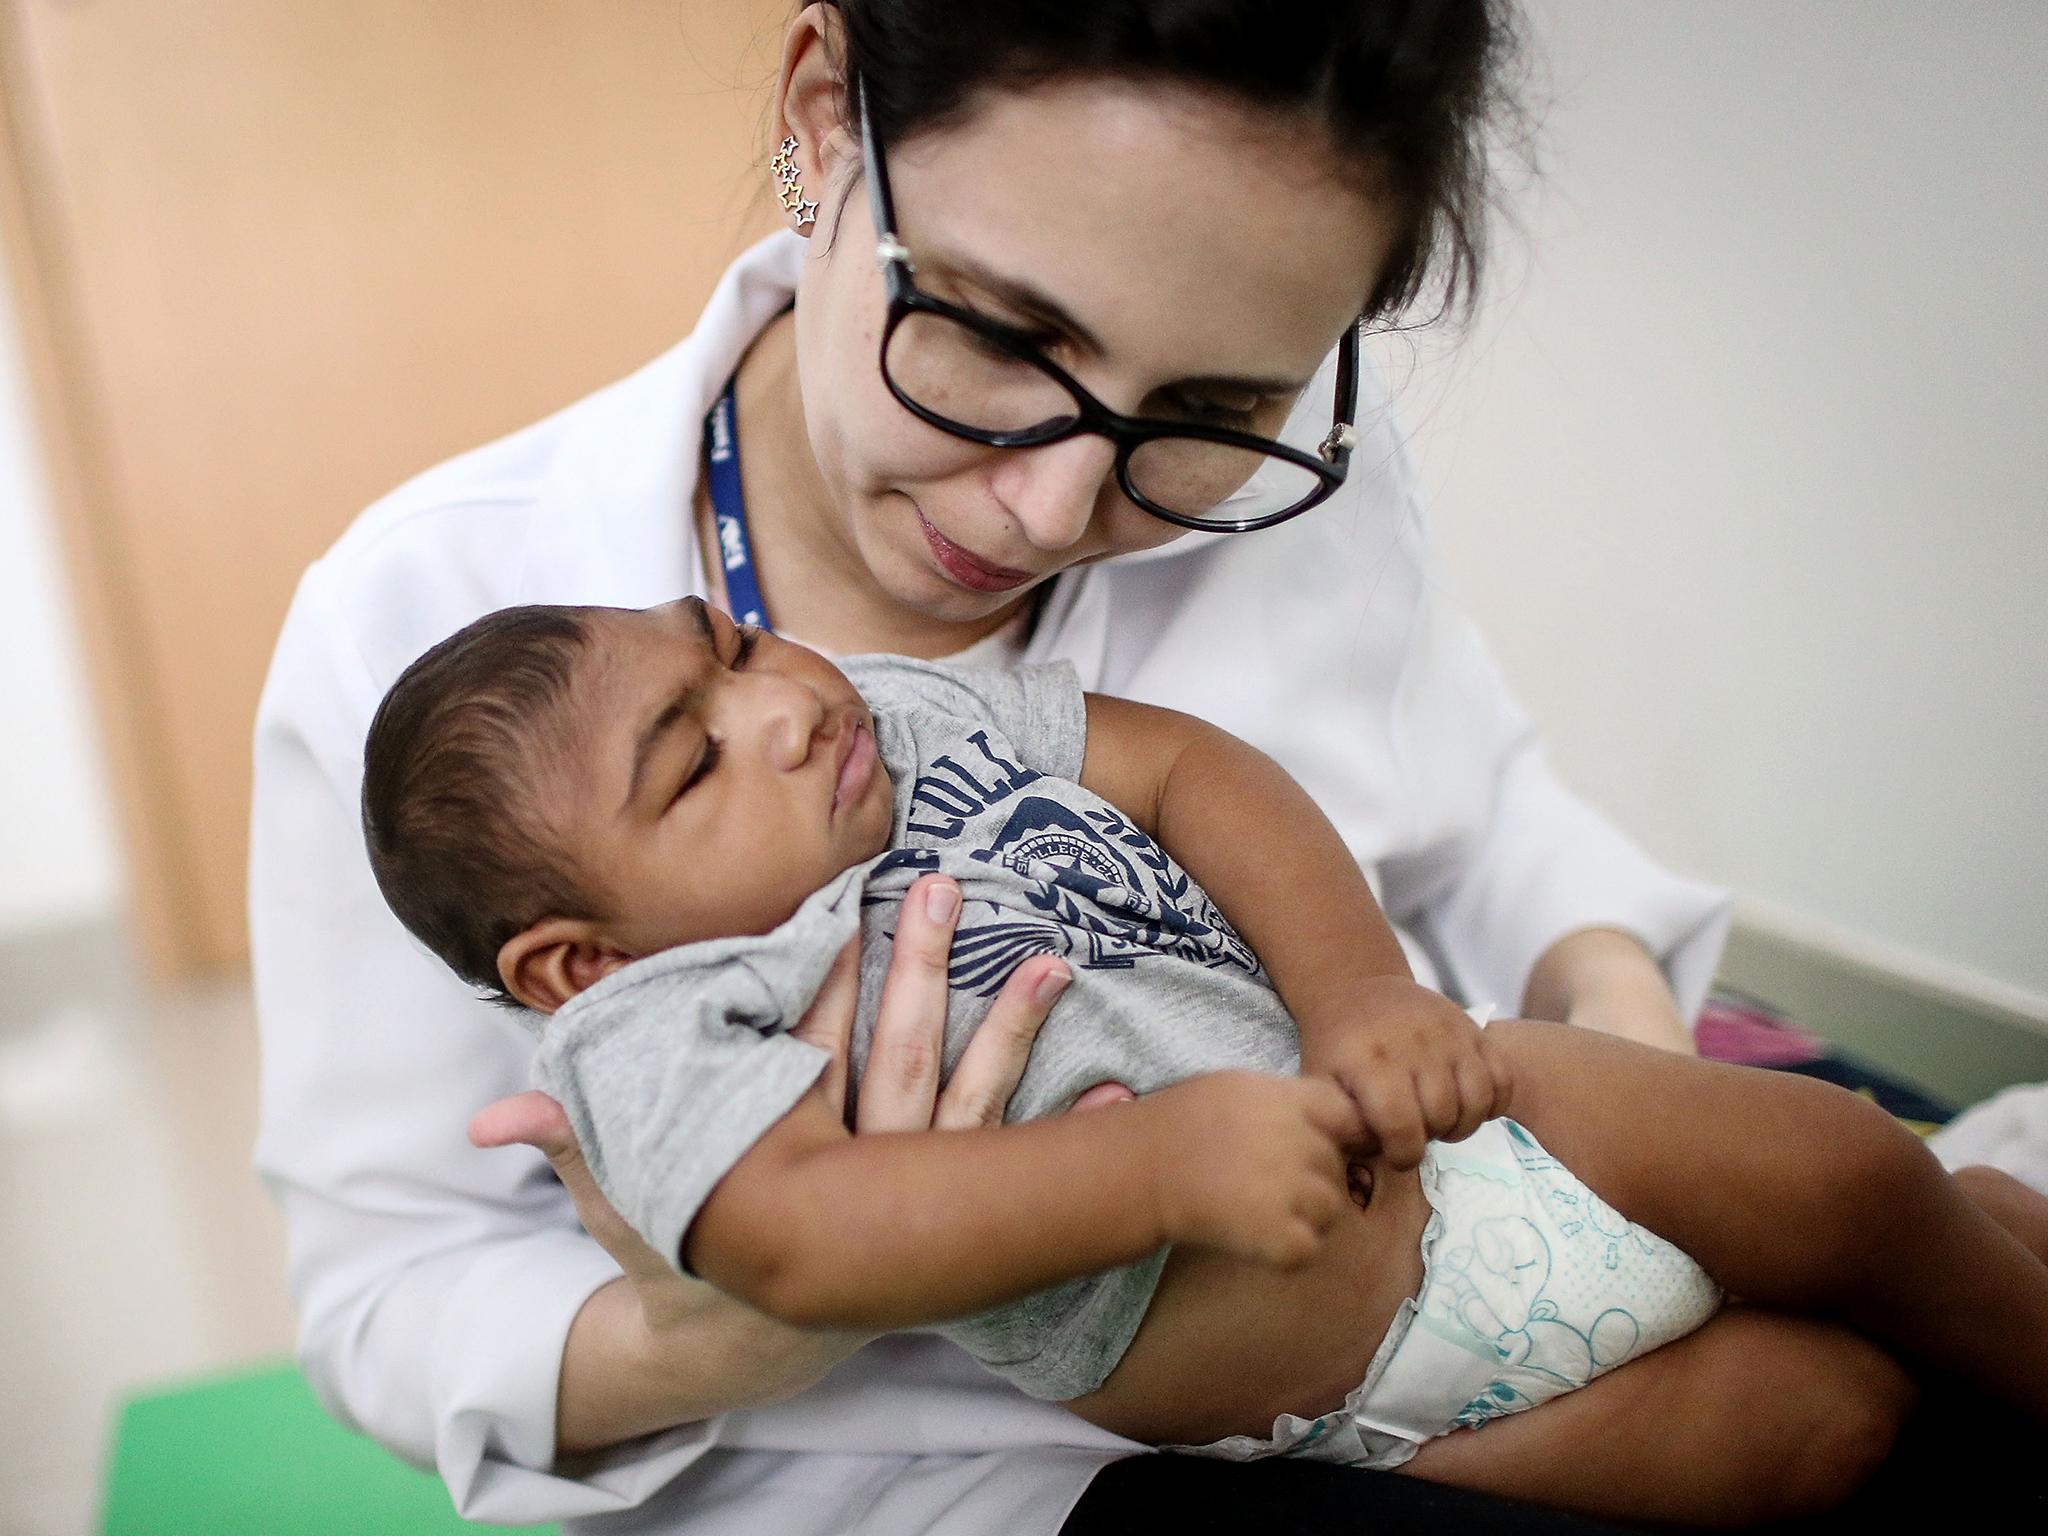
{"x":1495,"y":1286}
{"x":1578,"y":1209}
{"x":1533,"y":1269}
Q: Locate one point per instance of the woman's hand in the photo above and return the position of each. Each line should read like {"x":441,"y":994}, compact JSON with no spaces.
{"x":652,"y":1348}
{"x":899,"y":1090}
{"x":1605,"y":980}
{"x":655,"y":1349}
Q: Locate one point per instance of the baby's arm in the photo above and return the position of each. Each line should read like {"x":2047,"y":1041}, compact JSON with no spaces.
{"x":1272,"y":862}
{"x":820,"y":1228}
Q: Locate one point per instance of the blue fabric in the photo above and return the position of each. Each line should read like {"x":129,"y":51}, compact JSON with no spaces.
{"x":729,"y":508}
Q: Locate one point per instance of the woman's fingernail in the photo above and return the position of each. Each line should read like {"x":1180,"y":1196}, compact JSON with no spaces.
{"x":1051,"y":985}
{"x":943,"y":901}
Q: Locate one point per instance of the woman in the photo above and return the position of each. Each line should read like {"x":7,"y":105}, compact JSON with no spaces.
{"x":1184,"y":210}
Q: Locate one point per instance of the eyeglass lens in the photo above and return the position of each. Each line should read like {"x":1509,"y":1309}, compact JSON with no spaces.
{"x":955,"y":372}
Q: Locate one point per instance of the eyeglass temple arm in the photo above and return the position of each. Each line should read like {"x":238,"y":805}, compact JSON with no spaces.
{"x":1343,"y":433}
{"x":881,"y":206}
{"x":1347,"y":374}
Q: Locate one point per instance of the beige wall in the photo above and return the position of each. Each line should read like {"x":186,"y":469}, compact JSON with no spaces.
{"x":271,"y":259}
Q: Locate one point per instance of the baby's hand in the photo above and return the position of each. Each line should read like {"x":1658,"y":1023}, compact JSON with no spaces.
{"x":1253,"y":1165}
{"x":1412,"y":1063}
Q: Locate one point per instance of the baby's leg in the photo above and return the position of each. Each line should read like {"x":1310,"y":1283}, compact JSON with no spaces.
{"x":1789,"y":1192}
{"x":2021,"y":1211}
{"x":1757,"y":1416}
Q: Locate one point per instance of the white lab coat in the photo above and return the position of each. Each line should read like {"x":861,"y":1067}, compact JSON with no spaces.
{"x":436,"y":1283}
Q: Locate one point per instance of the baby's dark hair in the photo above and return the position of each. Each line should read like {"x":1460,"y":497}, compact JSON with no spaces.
{"x":458,"y":839}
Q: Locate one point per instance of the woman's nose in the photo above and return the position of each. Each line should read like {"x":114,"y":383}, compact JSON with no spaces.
{"x":1053,"y":491}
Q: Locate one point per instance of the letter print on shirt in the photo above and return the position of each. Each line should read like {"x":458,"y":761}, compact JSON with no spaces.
{"x":1090,"y":886}
{"x":949,"y":793}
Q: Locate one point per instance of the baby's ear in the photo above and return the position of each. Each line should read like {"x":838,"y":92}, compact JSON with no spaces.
{"x":547,"y":964}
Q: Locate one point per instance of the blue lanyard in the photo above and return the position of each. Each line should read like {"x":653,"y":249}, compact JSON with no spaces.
{"x":729,"y":512}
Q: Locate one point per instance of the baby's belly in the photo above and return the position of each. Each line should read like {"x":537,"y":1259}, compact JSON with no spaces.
{"x":1227,"y":1346}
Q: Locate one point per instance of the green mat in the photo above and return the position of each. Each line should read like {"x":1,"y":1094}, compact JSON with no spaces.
{"x":254,"y":1455}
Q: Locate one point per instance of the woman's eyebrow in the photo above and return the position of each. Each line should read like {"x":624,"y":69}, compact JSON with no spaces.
{"x":1033,"y":300}
{"x":1259,"y":386}
{"x":1041,"y":305}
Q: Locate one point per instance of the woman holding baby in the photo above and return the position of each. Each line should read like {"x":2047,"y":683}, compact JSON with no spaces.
{"x":1058,"y":359}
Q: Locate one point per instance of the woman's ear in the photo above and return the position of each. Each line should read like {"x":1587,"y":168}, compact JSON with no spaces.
{"x":547,"y":964}
{"x":811,"y":102}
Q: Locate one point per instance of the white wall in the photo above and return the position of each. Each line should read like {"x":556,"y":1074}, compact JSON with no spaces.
{"x":57,"y":858}
{"x":1745,"y":469}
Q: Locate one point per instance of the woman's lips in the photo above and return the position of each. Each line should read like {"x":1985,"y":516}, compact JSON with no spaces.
{"x":969,"y":570}
{"x":856,"y":768}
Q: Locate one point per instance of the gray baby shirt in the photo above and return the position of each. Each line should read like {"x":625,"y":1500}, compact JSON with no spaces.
{"x":672,"y":1067}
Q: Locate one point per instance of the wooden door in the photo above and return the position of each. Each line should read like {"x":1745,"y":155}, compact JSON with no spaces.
{"x":274,"y":256}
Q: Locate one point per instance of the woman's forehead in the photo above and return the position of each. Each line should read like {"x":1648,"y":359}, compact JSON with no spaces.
{"x":1168,"y":221}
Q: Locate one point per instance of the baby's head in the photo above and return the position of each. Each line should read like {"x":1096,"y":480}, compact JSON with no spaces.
{"x":554,"y":792}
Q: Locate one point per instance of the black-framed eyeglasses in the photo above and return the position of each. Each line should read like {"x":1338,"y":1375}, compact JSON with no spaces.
{"x":978,"y":379}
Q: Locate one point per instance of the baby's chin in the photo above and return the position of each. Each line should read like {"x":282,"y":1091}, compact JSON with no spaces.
{"x":845,"y":858}
{"x":860,"y":836}
{"x":871,"y":833}
{"x":874,"y":839}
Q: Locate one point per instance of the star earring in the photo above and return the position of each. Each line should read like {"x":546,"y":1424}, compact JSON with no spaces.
{"x":789,"y":190}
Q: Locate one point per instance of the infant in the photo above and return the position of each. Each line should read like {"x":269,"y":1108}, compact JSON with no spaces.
{"x":657,"y":830}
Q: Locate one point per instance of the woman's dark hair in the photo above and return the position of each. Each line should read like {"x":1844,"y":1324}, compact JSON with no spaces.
{"x":1406,"y":89}
{"x":457,"y":838}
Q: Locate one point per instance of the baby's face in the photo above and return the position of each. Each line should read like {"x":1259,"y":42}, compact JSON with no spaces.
{"x":720,"y":776}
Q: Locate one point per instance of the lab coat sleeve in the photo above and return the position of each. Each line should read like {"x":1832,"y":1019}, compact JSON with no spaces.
{"x":1332,"y":643}
{"x":1520,"y":861}
{"x":435,"y":1283}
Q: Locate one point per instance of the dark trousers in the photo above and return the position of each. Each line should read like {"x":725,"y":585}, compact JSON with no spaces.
{"x":1961,"y":1464}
